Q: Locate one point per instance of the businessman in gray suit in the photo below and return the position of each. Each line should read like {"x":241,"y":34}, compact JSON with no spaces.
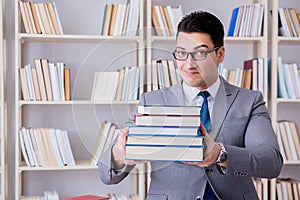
{"x":240,"y":142}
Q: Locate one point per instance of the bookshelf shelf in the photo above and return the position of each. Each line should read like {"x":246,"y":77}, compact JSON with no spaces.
{"x":24,"y":37}
{"x":77,"y":102}
{"x":77,"y":50}
{"x":283,"y":108}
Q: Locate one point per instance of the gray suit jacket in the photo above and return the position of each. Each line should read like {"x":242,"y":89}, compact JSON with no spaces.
{"x":240,"y":120}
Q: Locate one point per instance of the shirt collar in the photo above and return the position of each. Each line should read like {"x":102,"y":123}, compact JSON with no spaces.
{"x":192,"y":92}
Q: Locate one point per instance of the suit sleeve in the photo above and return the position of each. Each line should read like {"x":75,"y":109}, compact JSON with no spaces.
{"x":260,"y":155}
{"x":107,"y":173}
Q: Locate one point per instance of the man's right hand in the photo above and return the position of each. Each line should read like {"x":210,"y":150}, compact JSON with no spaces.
{"x":119,"y":151}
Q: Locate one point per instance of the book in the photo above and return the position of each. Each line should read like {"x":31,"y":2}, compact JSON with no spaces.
{"x":164,"y":153}
{"x":142,"y":140}
{"x":170,"y":120}
{"x":233,"y":21}
{"x":67,"y":84}
{"x":168,"y":110}
{"x":163,"y":131}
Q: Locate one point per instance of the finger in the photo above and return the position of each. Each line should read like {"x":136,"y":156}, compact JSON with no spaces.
{"x":203,"y":130}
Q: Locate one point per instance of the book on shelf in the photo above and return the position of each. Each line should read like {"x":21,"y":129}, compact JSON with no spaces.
{"x":105,"y":136}
{"x":246,"y":21}
{"x":165,"y":19}
{"x":45,"y":81}
{"x":40,"y":18}
{"x":288,"y":140}
{"x":50,"y":195}
{"x":43,"y":147}
{"x":287,"y":188}
{"x":121,"y":19}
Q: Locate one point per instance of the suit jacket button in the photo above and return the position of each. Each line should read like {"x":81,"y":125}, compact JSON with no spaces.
{"x":198,"y":198}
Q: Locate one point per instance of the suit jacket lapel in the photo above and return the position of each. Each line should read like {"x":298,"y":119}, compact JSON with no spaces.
{"x":177,"y":98}
{"x":223,"y":101}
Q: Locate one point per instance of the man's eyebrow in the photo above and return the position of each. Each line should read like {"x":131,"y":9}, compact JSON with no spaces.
{"x":202,"y":45}
{"x":197,"y":47}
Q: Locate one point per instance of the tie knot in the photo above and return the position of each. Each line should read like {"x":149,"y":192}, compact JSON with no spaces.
{"x":204,"y":94}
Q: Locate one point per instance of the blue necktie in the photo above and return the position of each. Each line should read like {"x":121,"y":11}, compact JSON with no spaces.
{"x":205,"y":119}
{"x":204,"y":112}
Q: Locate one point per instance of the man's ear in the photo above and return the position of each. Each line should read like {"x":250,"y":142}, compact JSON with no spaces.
{"x":221,"y":54}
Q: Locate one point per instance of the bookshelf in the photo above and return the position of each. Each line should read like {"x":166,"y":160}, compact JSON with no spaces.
{"x":3,"y":172}
{"x":85,"y":52}
{"x":283,"y":108}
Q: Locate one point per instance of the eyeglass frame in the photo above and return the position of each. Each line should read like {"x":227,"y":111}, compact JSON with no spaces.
{"x":191,"y":53}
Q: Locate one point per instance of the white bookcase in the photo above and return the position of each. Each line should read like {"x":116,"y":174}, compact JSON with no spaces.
{"x":284,"y":108}
{"x":3,"y":152}
{"x":85,"y":52}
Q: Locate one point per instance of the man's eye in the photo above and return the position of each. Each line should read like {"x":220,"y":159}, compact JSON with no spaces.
{"x":181,"y":53}
{"x":199,"y":53}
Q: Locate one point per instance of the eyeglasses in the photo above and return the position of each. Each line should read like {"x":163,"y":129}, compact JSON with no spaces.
{"x":196,"y":55}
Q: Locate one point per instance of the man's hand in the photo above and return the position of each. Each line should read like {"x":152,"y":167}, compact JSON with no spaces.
{"x":212,"y":150}
{"x":119,"y":151}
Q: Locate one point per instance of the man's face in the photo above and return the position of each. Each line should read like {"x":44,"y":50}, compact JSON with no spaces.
{"x":198,"y":73}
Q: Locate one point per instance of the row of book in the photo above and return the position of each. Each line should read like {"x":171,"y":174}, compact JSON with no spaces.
{"x":121,"y":19}
{"x":247,"y":21}
{"x":43,"y":147}
{"x":288,"y":80}
{"x":289,"y":22}
{"x":260,"y":185}
{"x":106,"y":197}
{"x":40,"y":18}
{"x":251,"y":76}
{"x":45,"y":82}
{"x":165,"y":19}
{"x":287,"y":189}
{"x":165,"y":133}
{"x":48,"y":195}
{"x":129,"y":82}
{"x":108,"y":131}
{"x":288,"y":140}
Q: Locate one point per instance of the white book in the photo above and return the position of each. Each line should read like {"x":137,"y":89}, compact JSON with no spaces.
{"x":255,"y":20}
{"x":296,"y":78}
{"x":261,"y":72}
{"x":55,"y":147}
{"x":29,"y":147}
{"x":288,"y":80}
{"x":32,"y":137}
{"x":122,"y":14}
{"x":39,"y":149}
{"x":70,"y":157}
{"x":136,"y":20}
{"x":106,"y":86}
{"x":166,"y":73}
{"x":38,"y":15}
{"x":136,"y":84}
{"x":282,"y":88}
{"x":280,"y":143}
{"x":168,"y":110}
{"x":238,"y":21}
{"x":243,"y":22}
{"x":62,"y":146}
{"x":290,"y":140}
{"x":131,"y":86}
{"x":142,"y":80}
{"x":103,"y":135}
{"x":24,"y":150}
{"x":30,"y":82}
{"x":154,"y":76}
{"x":261,"y":18}
{"x":54,"y":81}
{"x":172,"y":71}
{"x":61,"y":80}
{"x":58,"y":19}
{"x":125,"y":83}
{"x":172,"y":20}
{"x":178,"y":15}
{"x":118,"y":21}
{"x":283,"y":20}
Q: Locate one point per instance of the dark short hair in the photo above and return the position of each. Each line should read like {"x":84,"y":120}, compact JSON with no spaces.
{"x":203,"y":22}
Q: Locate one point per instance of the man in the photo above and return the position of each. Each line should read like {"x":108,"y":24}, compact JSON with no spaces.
{"x":240,"y":142}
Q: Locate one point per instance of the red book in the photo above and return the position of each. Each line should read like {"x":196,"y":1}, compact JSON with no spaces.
{"x":87,"y":197}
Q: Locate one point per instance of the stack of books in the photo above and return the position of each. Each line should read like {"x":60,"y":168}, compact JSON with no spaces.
{"x":165,"y":133}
